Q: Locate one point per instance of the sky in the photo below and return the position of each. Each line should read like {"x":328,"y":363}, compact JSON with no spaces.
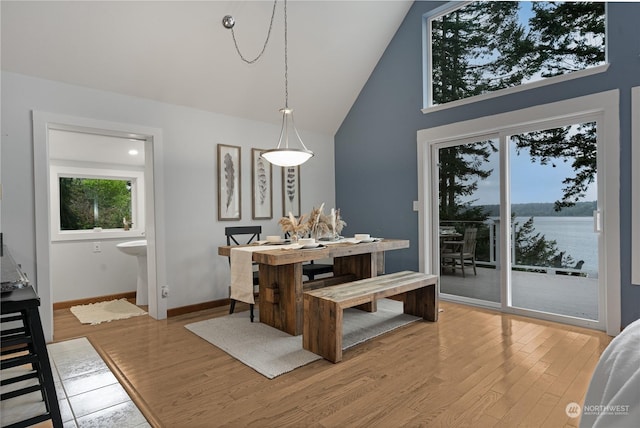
{"x":530,"y":182}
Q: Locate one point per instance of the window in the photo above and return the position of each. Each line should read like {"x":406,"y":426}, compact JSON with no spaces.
{"x":86,"y":201}
{"x":483,"y":47}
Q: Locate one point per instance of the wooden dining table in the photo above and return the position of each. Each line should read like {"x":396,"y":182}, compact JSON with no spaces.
{"x":281,"y":281}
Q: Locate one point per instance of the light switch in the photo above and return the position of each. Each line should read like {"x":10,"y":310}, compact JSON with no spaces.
{"x":416,"y":205}
{"x":96,"y":247}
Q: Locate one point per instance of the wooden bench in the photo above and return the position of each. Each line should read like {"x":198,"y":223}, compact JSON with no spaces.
{"x":322,"y":331}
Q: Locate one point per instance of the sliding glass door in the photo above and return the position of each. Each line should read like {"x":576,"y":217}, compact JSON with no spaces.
{"x":527,"y":199}
{"x":554,"y":221}
{"x":469,"y":206}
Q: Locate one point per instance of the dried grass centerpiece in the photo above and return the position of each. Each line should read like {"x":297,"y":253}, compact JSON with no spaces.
{"x":296,"y":228}
{"x":326,"y":226}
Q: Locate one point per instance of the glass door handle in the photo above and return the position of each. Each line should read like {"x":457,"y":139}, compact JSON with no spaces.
{"x":597,"y":221}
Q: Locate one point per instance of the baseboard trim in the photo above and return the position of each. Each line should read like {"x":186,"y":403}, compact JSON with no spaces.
{"x":173,"y":312}
{"x":70,"y":303}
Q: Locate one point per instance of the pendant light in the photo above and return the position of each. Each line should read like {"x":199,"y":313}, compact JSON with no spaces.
{"x":284,"y":154}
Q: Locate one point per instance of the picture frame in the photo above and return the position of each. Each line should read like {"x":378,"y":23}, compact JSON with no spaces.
{"x":229,"y":183}
{"x":261,"y":186}
{"x":291,"y":190}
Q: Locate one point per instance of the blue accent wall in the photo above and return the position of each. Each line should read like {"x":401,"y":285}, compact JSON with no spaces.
{"x":376,"y":147}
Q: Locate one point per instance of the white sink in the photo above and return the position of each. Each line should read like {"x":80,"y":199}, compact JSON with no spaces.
{"x":134,"y":248}
{"x":138,"y":249}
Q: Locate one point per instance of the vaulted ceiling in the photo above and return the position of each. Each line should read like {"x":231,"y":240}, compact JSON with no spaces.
{"x":178,"y":52}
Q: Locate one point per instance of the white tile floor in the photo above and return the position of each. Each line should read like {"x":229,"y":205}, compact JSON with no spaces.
{"x":88,"y":393}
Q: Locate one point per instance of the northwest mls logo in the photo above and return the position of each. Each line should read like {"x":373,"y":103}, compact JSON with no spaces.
{"x":572,"y":410}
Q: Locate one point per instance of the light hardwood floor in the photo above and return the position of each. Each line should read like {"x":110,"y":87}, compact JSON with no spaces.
{"x":473,"y":367}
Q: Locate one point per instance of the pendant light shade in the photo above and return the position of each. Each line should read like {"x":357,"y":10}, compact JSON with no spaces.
{"x":283,"y":155}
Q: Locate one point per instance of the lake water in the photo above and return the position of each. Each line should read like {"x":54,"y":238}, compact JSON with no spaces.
{"x":573,"y":235}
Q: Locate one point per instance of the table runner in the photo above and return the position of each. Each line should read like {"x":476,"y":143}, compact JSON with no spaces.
{"x":242,"y":270}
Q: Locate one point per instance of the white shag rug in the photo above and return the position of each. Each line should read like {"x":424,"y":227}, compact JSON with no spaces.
{"x":96,"y":313}
{"x":272,"y":352}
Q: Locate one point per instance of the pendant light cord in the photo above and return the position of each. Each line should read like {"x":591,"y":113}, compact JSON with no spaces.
{"x":286,"y":62}
{"x":264,"y":47}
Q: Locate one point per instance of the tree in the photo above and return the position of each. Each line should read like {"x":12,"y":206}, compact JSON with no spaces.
{"x":86,"y":203}
{"x":569,"y":35}
{"x":482,"y":47}
{"x":460,"y":167}
{"x":576,"y":144}
{"x":479,"y":48}
{"x":533,"y":249}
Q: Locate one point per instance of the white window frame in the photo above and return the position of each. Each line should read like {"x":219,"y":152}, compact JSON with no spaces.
{"x":427,"y":65}
{"x":605,"y":104}
{"x":137,"y":203}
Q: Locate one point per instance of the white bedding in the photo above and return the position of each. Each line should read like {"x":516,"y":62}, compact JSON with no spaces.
{"x":613,"y":397}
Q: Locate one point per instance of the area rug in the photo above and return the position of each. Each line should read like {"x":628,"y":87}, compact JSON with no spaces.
{"x":96,"y":313}
{"x":272,"y":352}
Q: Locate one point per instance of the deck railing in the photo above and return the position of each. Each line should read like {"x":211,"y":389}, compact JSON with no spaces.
{"x":488,"y":248}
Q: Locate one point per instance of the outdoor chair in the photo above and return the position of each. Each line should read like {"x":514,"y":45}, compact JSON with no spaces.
{"x":462,"y":253}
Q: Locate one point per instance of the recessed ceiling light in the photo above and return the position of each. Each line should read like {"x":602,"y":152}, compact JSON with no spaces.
{"x":133,"y":152}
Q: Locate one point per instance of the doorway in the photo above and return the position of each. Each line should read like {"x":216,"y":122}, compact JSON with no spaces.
{"x":551,"y":266}
{"x":43,"y":125}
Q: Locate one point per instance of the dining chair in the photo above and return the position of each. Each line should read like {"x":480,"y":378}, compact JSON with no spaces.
{"x":243,"y":235}
{"x":311,"y":269}
{"x":462,"y":252}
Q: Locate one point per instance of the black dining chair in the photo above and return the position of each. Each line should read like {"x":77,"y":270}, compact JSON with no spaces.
{"x":311,"y":269}
{"x":243,"y":235}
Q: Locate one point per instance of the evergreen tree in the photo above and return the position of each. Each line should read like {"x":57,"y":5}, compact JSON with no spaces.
{"x":482,"y":47}
{"x":576,"y":144}
{"x":569,"y":35}
{"x":533,"y":249}
{"x":479,"y":48}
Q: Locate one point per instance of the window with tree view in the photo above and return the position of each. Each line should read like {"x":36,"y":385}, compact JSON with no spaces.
{"x":88,"y":203}
{"x":483,"y":46}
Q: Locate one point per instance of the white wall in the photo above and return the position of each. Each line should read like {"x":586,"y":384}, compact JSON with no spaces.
{"x":77,"y":272}
{"x":195,"y":272}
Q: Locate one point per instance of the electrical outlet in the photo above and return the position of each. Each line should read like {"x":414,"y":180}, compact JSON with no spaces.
{"x":97,"y":248}
{"x":165,"y":291}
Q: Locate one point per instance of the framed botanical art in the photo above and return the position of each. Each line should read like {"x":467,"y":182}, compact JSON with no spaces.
{"x":229,"y":194}
{"x":261,"y":186}
{"x":291,"y":190}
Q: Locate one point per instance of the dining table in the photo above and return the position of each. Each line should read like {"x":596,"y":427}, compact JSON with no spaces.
{"x":281,"y":284}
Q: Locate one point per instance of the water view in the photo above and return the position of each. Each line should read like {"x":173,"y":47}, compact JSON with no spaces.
{"x":573,"y":235}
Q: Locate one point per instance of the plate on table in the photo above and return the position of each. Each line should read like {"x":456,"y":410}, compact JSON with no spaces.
{"x":371,"y":240}
{"x":311,"y":246}
{"x":283,"y":242}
